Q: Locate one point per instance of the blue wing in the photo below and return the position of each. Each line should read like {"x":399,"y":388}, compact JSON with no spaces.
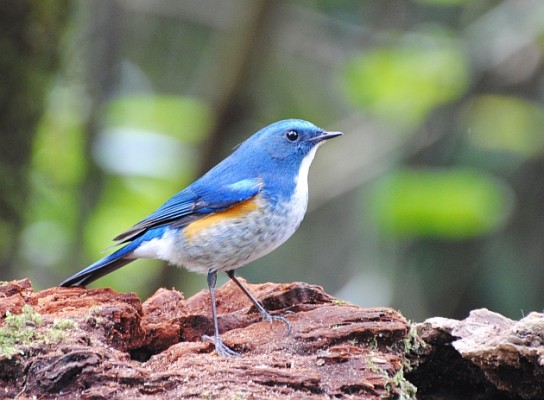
{"x":194,"y":202}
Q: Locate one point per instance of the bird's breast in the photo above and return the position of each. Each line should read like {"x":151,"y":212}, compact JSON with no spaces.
{"x":232,"y":238}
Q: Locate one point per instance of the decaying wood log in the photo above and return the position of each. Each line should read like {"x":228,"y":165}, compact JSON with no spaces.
{"x":485,"y":356}
{"x":66,"y":343}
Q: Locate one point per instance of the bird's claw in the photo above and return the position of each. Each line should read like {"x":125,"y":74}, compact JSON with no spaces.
{"x":271,"y":318}
{"x":221,"y":348}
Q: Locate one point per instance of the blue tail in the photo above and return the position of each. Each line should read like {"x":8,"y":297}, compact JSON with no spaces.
{"x":104,"y":266}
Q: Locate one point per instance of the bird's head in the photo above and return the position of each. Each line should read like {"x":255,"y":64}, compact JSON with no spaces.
{"x":279,"y":156}
{"x":288,"y":142}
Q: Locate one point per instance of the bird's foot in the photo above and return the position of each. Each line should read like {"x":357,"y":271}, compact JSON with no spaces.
{"x":271,"y":318}
{"x":220,"y":347}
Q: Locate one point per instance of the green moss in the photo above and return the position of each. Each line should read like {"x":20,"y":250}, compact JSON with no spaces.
{"x":373,"y":366}
{"x":93,"y":316}
{"x":21,"y":331}
{"x":94,"y":311}
{"x":407,"y":389}
{"x":64,"y":324}
{"x":413,"y":346}
{"x":58,"y":330}
{"x":373,"y":343}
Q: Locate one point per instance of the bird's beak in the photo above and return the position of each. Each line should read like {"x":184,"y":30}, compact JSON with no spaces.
{"x":326,"y":136}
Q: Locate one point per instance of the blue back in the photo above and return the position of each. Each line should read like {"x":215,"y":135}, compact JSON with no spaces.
{"x":267,"y":162}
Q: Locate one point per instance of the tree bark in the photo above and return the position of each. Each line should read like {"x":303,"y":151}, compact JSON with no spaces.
{"x":64,"y":343}
{"x":101,"y":344}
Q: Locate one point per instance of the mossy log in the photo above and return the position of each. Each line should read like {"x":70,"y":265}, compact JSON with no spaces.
{"x":64,"y":343}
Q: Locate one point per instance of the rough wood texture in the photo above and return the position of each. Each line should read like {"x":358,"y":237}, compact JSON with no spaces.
{"x":485,"y":356}
{"x":119,"y":348}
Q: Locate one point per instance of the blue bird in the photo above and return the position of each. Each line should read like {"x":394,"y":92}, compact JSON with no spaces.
{"x":242,"y":209}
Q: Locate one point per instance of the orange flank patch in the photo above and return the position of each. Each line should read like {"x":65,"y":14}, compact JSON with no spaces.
{"x":237,"y":211}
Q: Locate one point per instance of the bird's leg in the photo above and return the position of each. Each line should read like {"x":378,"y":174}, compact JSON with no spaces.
{"x":220,"y":347}
{"x":265,"y":314}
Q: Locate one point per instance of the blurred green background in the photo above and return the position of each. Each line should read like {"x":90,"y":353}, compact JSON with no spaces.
{"x":432,"y":202}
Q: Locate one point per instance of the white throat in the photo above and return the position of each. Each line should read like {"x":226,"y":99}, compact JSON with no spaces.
{"x":300,"y":197}
{"x":305,"y":165}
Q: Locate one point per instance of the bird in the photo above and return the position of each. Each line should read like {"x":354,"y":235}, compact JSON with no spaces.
{"x":240,"y":210}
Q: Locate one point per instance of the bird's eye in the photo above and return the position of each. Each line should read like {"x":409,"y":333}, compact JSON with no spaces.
{"x":291,"y":135}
